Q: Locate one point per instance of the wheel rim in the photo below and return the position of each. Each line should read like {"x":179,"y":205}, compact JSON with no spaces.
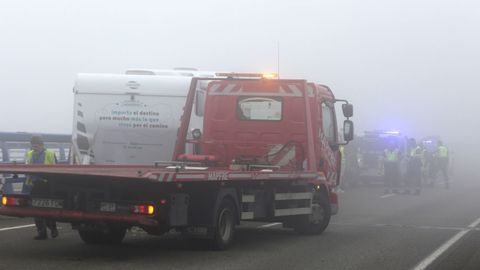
{"x":225,"y":224}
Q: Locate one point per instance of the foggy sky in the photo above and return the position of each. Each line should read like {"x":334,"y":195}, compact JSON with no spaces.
{"x":410,"y":65}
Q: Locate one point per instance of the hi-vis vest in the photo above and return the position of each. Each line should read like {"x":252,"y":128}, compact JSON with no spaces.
{"x":442,"y":151}
{"x":391,"y":155}
{"x":49,"y":157}
{"x":342,"y":153}
{"x":48,"y":160}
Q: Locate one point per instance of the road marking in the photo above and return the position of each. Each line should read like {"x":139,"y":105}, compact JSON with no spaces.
{"x":16,"y":227}
{"x":437,"y":253}
{"x":387,"y":195}
{"x":270,"y":225}
{"x":423,"y":227}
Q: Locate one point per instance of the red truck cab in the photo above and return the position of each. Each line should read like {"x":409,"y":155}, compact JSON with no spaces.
{"x":270,"y":125}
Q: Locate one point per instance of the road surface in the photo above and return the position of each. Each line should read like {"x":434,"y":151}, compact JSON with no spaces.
{"x":437,"y":230}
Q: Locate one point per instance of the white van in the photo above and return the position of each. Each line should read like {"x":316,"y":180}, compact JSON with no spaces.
{"x":130,"y":118}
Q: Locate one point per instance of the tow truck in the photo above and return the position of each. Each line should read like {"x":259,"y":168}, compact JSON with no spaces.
{"x":267,"y":152}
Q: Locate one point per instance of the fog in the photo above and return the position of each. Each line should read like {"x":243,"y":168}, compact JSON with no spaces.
{"x":408,"y":65}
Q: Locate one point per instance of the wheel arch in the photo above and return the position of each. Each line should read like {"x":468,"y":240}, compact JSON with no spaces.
{"x":231,"y":194}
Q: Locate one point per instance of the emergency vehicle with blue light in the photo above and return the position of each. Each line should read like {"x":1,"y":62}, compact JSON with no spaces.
{"x":370,"y":150}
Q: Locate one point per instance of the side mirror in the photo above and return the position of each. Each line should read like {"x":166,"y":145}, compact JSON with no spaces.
{"x":347,"y":109}
{"x":348,"y":130}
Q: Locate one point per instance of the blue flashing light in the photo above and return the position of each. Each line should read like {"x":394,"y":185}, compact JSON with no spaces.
{"x":394,"y":132}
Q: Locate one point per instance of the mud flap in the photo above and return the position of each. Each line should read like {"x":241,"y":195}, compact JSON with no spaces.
{"x":178,"y":214}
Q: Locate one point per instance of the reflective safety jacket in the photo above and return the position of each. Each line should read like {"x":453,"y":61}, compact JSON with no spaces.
{"x":47,"y":157}
{"x":342,"y":153}
{"x":390,"y":155}
{"x":442,"y":151}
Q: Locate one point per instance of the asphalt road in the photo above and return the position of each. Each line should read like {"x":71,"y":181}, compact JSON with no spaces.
{"x":437,"y":230}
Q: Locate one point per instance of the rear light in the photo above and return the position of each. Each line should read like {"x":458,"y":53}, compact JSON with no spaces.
{"x":143,"y":209}
{"x":12,"y":201}
{"x":150,"y":209}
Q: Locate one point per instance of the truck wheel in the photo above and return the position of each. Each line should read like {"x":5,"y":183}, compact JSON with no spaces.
{"x":112,"y":237}
{"x":225,"y":225}
{"x":91,"y":237}
{"x":318,"y":221}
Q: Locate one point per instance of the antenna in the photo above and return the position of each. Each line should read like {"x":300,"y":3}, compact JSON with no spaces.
{"x":278,"y":59}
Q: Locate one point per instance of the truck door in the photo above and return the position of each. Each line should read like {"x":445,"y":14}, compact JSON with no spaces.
{"x":328,"y":141}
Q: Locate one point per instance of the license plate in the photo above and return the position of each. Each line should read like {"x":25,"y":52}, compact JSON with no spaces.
{"x":107,"y":207}
{"x":47,"y":203}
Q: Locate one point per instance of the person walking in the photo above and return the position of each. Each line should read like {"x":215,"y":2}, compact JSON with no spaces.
{"x":40,"y":155}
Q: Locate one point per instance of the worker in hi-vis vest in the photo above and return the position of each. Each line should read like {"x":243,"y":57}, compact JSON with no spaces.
{"x":414,"y":168}
{"x":391,"y":168}
{"x":40,"y":155}
{"x":442,"y":160}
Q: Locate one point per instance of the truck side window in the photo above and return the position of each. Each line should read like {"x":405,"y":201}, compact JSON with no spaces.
{"x":200,"y":103}
{"x":328,"y":123}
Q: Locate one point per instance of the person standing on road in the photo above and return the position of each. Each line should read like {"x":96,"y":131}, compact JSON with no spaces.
{"x":429,"y":167}
{"x":415,"y":167}
{"x":424,"y":165}
{"x":441,"y":156}
{"x":40,"y":155}
{"x":343,"y":164}
{"x":391,"y":168}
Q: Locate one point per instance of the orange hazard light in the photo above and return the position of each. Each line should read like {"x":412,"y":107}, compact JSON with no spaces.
{"x":270,"y":76}
{"x":247,"y":75}
{"x":143,"y":209}
{"x":151,"y":209}
{"x":9,"y":201}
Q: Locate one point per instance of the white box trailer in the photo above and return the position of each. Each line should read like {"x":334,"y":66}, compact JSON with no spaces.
{"x":130,"y":118}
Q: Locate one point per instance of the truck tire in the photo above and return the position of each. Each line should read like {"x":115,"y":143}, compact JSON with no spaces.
{"x":90,"y":237}
{"x":225,"y":225}
{"x":113,"y":237}
{"x":318,"y":221}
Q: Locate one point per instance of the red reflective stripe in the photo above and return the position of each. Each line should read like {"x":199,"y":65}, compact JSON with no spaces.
{"x":236,"y":89}
{"x":220,"y":88}
{"x":286,"y":89}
